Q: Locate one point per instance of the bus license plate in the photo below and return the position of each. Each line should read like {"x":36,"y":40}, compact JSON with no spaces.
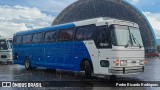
{"x":133,"y":61}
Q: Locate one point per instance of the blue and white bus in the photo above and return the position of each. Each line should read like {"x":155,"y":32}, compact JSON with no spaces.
{"x":102,"y":45}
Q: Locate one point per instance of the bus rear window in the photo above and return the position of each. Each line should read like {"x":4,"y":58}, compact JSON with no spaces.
{"x":3,"y":45}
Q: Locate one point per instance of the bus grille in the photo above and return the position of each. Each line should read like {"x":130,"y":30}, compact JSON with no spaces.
{"x":3,"y":56}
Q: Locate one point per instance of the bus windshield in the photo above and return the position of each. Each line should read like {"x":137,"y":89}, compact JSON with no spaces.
{"x":3,"y":45}
{"x":126,"y":36}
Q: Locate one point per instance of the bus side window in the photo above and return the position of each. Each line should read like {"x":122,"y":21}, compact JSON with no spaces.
{"x":24,"y":39}
{"x":89,"y":31}
{"x":54,"y":36}
{"x":70,"y":34}
{"x":39,"y":37}
{"x":34,"y":40}
{"x":80,"y":33}
{"x":27,"y":38}
{"x":50,"y":36}
{"x":103,"y":37}
{"x":85,"y":33}
{"x":66,"y":35}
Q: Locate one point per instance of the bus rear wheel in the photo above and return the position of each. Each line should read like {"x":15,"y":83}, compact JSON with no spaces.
{"x":27,"y":64}
{"x":87,"y":69}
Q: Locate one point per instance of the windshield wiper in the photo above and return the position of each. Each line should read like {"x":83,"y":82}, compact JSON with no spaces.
{"x":136,"y":41}
{"x":129,"y":41}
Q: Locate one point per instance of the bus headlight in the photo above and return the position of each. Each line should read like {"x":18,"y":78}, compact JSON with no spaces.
{"x":116,"y":62}
{"x":123,"y":62}
{"x":142,"y":62}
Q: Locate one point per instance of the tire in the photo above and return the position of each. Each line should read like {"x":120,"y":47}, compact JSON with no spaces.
{"x":87,"y":69}
{"x":27,"y":64}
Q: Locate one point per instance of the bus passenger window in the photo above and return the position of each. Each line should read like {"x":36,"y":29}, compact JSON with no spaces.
{"x":50,"y":36}
{"x":89,"y":32}
{"x":24,"y":39}
{"x":80,"y":33}
{"x":34,"y":40}
{"x":70,"y":34}
{"x":37,"y":38}
{"x":54,"y":37}
{"x":47,"y":36}
{"x":66,"y":35}
{"x":27,"y":38}
{"x":85,"y":33}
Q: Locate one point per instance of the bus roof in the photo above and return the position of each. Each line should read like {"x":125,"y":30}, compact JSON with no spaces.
{"x":62,"y":26}
{"x":97,"y":21}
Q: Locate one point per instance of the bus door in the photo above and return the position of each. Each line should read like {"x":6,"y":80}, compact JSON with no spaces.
{"x":103,"y":43}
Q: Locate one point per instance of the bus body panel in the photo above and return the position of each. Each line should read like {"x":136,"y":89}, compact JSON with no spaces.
{"x":62,"y":55}
{"x":94,"y":54}
{"x":129,"y":55}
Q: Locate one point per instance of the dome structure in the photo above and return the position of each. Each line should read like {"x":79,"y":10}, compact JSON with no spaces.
{"x":119,"y":9}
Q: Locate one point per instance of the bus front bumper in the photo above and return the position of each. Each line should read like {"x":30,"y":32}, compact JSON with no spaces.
{"x":126,"y":70}
{"x":6,"y":60}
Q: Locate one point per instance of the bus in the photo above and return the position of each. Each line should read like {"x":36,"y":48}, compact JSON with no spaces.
{"x":104,"y":46}
{"x":5,"y":50}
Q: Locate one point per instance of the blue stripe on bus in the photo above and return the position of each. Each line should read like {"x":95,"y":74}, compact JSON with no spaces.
{"x":60,"y":55}
{"x":57,"y":27}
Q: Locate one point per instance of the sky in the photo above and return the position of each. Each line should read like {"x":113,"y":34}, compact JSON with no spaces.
{"x":20,"y":15}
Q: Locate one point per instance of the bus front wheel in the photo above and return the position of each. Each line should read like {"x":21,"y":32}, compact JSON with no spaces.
{"x":28,"y":64}
{"x":87,"y":69}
